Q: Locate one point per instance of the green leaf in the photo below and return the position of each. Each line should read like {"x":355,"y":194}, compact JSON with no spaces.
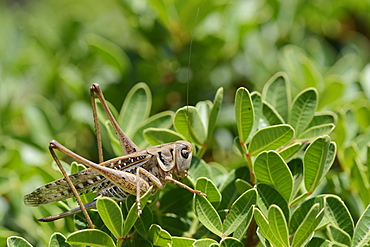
{"x":271,"y":169}
{"x":317,"y":159}
{"x":338,"y":214}
{"x":289,"y":152}
{"x":242,"y":185}
{"x":270,"y":138}
{"x":214,"y":112}
{"x":315,"y":131}
{"x":182,"y":242}
{"x":207,"y":242}
{"x":160,"y":120}
{"x":318,"y":242}
{"x":133,"y":213}
{"x":268,"y":196}
{"x":277,"y":93}
{"x":93,"y":237}
{"x":143,"y":223}
{"x":159,"y":136}
{"x":306,"y":229}
{"x":209,"y":188}
{"x":58,"y":240}
{"x":296,"y":168}
{"x":361,"y":235}
{"x":244,"y":113}
{"x":278,"y":225}
{"x":159,"y":237}
{"x":111,"y":215}
{"x":264,"y":226}
{"x":239,"y":215}
{"x":109,"y":52}
{"x":303,"y":110}
{"x":188,"y":119}
{"x":301,"y":212}
{"x":16,"y":241}
{"x":135,"y":109}
{"x":338,"y":235}
{"x":207,"y":214}
{"x":230,"y":242}
{"x":271,"y":115}
{"x":257,"y":109}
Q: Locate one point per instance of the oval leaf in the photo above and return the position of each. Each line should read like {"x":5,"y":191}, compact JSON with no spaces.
{"x":239,"y":215}
{"x":214,"y":112}
{"x":135,"y":109}
{"x":188,"y":119}
{"x":207,"y":214}
{"x":244,"y":113}
{"x":159,"y":237}
{"x":93,"y":237}
{"x":271,"y":169}
{"x":338,"y":214}
{"x":157,"y":136}
{"x":111,"y":215}
{"x":303,"y":110}
{"x":362,"y":230}
{"x":314,"y":161}
{"x":270,"y":138}
{"x":276,"y":92}
{"x":278,"y":225}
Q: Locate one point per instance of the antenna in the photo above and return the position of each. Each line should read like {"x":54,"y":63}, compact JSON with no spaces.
{"x":188,"y":77}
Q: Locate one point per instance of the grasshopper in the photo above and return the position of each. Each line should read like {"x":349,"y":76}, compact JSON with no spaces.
{"x":133,"y":173}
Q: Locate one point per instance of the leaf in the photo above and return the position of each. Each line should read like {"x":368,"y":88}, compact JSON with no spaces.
{"x":271,"y":115}
{"x":244,"y":113}
{"x":242,"y":185}
{"x":264,"y":226}
{"x":317,"y":158}
{"x":303,"y":110}
{"x":143,"y":223}
{"x":111,"y":215}
{"x":182,"y":242}
{"x":109,"y":52}
{"x":318,"y":242}
{"x":301,"y":212}
{"x":230,"y":242}
{"x":209,"y":188}
{"x":270,"y":138}
{"x":319,"y":130}
{"x":268,"y":196}
{"x":271,"y":169}
{"x":15,"y":241}
{"x":306,"y":229}
{"x":278,"y":225}
{"x":361,"y":235}
{"x":214,"y":112}
{"x":239,"y":215}
{"x":133,"y":213}
{"x":338,"y":235}
{"x":207,"y":242}
{"x":289,"y":152}
{"x":188,"y":119}
{"x":160,"y":120}
{"x":93,"y":237}
{"x":58,"y":240}
{"x":135,"y":109}
{"x":159,"y":237}
{"x":296,"y":168}
{"x":338,"y":214}
{"x":276,"y":92}
{"x":157,"y":136}
{"x":207,"y":214}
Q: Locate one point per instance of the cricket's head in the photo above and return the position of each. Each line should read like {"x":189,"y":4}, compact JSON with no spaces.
{"x":183,"y":158}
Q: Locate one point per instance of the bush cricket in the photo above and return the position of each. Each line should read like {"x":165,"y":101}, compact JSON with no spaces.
{"x":133,"y":173}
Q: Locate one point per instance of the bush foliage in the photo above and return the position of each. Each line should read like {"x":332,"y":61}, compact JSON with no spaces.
{"x":278,"y":116}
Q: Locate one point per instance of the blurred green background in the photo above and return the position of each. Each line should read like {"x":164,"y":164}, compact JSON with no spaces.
{"x":52,"y":51}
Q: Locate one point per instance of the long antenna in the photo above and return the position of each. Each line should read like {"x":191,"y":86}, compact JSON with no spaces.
{"x":188,"y":78}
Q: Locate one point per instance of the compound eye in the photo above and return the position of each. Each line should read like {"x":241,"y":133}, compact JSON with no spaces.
{"x":185,"y":153}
